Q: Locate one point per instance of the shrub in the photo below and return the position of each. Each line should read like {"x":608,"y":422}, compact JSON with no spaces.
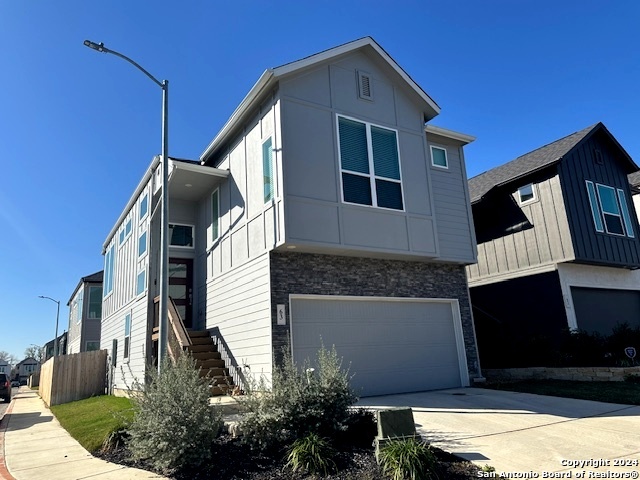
{"x":174,"y":424}
{"x":361,"y":428}
{"x":301,"y":401}
{"x":408,"y":458}
{"x":311,"y":453}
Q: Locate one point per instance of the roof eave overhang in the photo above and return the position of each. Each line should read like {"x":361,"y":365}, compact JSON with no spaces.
{"x":444,"y":132}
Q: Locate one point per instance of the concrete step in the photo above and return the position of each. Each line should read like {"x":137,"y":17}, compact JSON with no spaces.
{"x":209,"y":355}
{"x":218,"y":390}
{"x":210,"y":363}
{"x":222,"y":380}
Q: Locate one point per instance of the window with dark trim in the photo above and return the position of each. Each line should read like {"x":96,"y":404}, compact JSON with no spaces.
{"x":181,"y":235}
{"x":370,"y":164}
{"x":267,"y":169}
{"x":609,"y":210}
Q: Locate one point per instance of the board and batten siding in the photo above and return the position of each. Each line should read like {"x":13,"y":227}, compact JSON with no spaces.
{"x":451,"y":201}
{"x":123,"y":300}
{"x":544,"y":245}
{"x":247,"y":225}
{"x":575,"y":169}
{"x":74,"y":332}
{"x":316,"y":218}
{"x":238,"y":310}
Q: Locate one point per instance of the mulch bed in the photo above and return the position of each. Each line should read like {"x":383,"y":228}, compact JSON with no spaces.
{"x":234,"y":460}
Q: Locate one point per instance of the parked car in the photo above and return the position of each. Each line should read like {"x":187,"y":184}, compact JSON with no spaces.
{"x":15,"y":383}
{"x":5,"y":387}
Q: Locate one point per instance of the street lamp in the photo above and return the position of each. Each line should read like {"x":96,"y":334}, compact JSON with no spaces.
{"x":55,"y":342}
{"x":164,"y":218}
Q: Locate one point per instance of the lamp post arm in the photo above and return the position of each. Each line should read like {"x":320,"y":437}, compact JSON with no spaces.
{"x":135,"y":64}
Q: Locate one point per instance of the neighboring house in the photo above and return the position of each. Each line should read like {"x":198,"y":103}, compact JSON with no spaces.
{"x":85,"y":314}
{"x":324,"y":212}
{"x":558,"y":245}
{"x":634,"y":181}
{"x":26,"y":367}
{"x":50,"y":346}
{"x":5,"y":367}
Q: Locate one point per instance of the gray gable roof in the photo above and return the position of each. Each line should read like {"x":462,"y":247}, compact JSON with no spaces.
{"x":525,"y":164}
{"x":634,"y":179}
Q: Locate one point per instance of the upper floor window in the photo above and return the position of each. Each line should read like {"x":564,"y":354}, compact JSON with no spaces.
{"x":215,"y":215}
{"x":370,"y":164}
{"x":125,"y":232}
{"x":79,"y":305}
{"x":181,"y":235}
{"x":141,"y":282}
{"x":439,"y":157}
{"x":109,"y":262}
{"x":92,"y":346}
{"x":267,"y":169}
{"x":142,"y":244}
{"x":526,"y":194}
{"x":144,"y":207}
{"x":95,"y":302}
{"x":609,"y":210}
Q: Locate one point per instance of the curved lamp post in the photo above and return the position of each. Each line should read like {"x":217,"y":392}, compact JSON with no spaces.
{"x":55,"y":342}
{"x":164,"y":226}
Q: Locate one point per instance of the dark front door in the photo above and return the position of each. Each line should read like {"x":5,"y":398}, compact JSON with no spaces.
{"x":181,"y":287}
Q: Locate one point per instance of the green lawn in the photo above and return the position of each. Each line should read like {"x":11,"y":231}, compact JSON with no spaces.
{"x":613,"y":392}
{"x":90,"y":421}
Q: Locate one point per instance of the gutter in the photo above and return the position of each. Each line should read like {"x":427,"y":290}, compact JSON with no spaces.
{"x":145,"y":179}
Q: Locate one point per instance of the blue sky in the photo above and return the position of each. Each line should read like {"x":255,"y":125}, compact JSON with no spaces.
{"x":78,"y":128}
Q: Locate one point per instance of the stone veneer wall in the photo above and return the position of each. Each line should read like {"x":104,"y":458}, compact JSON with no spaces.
{"x":313,"y":274}
{"x":588,"y":374}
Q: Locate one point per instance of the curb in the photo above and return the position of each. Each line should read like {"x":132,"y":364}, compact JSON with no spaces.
{"x":4,"y":423}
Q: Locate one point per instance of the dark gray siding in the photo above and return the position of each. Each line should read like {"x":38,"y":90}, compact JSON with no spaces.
{"x":578,"y":167}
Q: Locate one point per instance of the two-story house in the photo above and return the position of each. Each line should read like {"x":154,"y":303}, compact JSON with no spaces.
{"x":85,"y":314}
{"x":25,"y":368}
{"x":5,"y":367}
{"x":323,"y":212}
{"x":558,"y":245}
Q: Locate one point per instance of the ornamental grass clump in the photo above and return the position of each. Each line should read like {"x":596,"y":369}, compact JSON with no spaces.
{"x":408,"y":459}
{"x":312,"y":454}
{"x":174,"y":425}
{"x":301,"y":400}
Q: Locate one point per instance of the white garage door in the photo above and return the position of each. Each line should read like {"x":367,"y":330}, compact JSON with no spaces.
{"x":390,"y":345}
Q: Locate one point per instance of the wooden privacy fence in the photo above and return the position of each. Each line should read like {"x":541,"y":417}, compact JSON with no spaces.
{"x":67,"y":378}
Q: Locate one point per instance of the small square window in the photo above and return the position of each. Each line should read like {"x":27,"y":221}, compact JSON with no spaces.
{"x":526,"y":194}
{"x":439,"y":157}
{"x":181,"y":235}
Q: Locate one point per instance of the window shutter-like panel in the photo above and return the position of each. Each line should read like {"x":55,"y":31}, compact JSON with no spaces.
{"x":353,"y":146}
{"x":385,"y":153}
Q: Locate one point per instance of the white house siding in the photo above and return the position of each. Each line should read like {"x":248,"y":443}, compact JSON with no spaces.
{"x":531,"y":251}
{"x":238,"y":311}
{"x":122,"y":299}
{"x":74,"y":332}
{"x":317,"y":220}
{"x":451,"y":200}
{"x":591,"y":276}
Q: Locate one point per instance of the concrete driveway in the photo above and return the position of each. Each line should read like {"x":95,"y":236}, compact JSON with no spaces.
{"x":525,"y":433}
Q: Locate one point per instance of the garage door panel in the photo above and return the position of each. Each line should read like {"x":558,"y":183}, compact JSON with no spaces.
{"x":389,"y":346}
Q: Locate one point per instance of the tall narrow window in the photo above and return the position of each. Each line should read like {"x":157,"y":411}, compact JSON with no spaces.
{"x":127,"y":334}
{"x":370,"y":164}
{"x":95,"y":302}
{"x":625,"y":214}
{"x":142,"y":244}
{"x":109,"y":261}
{"x":144,"y":207}
{"x":267,"y":169}
{"x":80,"y":304}
{"x":595,"y":207}
{"x":141,"y":282}
{"x":610,"y":210}
{"x":215,"y":215}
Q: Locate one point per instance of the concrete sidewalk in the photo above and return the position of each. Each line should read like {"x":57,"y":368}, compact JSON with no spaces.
{"x":520,"y":432}
{"x":37,"y":447}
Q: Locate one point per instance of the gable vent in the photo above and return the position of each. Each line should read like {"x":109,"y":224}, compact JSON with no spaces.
{"x":598,"y":156}
{"x":364,"y":86}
